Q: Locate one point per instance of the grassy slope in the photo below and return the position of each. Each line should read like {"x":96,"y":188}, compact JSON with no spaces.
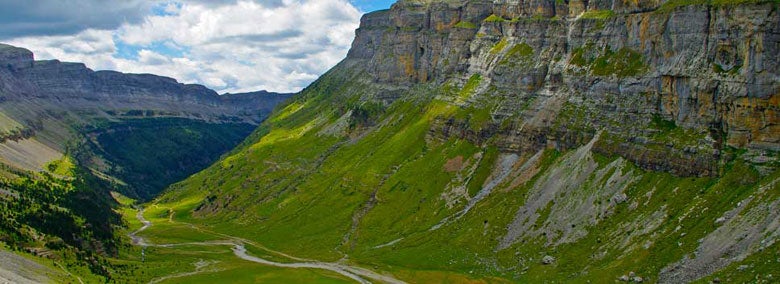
{"x":197,"y":263}
{"x":319,"y":196}
{"x":66,"y":214}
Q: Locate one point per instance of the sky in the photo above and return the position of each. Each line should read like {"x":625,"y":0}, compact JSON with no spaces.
{"x":230,"y":46}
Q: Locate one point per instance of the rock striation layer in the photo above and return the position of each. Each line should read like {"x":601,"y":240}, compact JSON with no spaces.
{"x":74,"y":87}
{"x":562,"y":70}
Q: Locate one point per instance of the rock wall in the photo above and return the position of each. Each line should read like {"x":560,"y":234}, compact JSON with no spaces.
{"x":73,"y":86}
{"x":563,"y":70}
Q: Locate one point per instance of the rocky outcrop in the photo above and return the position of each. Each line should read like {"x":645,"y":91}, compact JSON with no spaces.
{"x":671,"y":84}
{"x":14,"y":57}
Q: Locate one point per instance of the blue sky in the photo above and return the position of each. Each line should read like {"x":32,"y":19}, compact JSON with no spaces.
{"x":372,"y":5}
{"x":227,"y":45}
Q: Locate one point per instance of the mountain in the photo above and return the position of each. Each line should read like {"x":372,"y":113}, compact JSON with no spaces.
{"x":47,"y":105}
{"x":73,"y":140}
{"x":523,"y":141}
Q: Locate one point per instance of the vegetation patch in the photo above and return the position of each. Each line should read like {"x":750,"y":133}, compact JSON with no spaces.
{"x":63,"y":167}
{"x":717,"y":68}
{"x":465,"y":25}
{"x":662,"y":124}
{"x":469,"y":88}
{"x":494,"y":19}
{"x":598,"y":15}
{"x":499,"y":46}
{"x":521,"y":50}
{"x":519,"y":55}
{"x":624,"y":62}
{"x":68,"y":216}
{"x":672,"y":5}
{"x":158,"y":152}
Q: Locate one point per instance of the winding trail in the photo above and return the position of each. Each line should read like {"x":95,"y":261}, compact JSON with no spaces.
{"x":139,"y":241}
{"x":359,"y":274}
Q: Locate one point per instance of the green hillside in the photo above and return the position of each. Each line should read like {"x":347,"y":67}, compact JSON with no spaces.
{"x":325,"y":183}
{"x":464,"y":141}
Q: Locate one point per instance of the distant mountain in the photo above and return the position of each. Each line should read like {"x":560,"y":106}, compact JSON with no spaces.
{"x":74,"y":87}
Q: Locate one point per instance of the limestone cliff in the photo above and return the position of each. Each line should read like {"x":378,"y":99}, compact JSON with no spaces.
{"x":580,"y":66}
{"x":73,"y":86}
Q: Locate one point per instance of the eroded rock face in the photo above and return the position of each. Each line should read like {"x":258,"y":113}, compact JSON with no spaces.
{"x":562,"y":70}
{"x":14,"y":57}
{"x":73,"y":86}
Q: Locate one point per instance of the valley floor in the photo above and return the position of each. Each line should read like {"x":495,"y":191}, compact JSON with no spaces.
{"x":164,"y":236}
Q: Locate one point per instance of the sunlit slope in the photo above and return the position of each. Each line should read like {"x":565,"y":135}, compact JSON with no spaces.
{"x":554,"y":140}
{"x":335,"y":174}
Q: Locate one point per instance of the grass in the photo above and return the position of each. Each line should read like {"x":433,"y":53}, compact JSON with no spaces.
{"x":521,"y":55}
{"x":180,"y":264}
{"x":624,"y":62}
{"x":499,"y":46}
{"x":717,"y":68}
{"x":256,"y":273}
{"x":662,"y":124}
{"x":63,"y":167}
{"x":325,"y":197}
{"x":493,"y":18}
{"x":672,"y":5}
{"x":597,"y":14}
{"x":465,"y":25}
{"x":469,"y":88}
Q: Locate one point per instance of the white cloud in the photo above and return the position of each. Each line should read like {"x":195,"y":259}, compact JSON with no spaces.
{"x":232,"y":47}
{"x":149,"y":57}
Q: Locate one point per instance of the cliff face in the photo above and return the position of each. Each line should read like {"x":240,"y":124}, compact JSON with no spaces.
{"x":577,"y":67}
{"x":72,"y":86}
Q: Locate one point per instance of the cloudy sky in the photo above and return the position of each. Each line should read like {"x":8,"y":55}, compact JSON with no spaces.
{"x":227,"y":45}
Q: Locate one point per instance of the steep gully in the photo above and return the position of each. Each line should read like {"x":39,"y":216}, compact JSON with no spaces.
{"x":359,"y":274}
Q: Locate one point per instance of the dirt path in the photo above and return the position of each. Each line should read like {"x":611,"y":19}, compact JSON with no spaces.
{"x":139,"y":241}
{"x":199,"y":268}
{"x":358,"y":274}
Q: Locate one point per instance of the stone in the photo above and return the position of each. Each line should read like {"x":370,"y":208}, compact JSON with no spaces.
{"x":548,"y":259}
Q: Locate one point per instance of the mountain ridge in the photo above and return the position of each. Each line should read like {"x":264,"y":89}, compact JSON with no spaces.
{"x":74,"y":81}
